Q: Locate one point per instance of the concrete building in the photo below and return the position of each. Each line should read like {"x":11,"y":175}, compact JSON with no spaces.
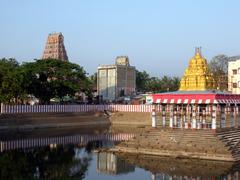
{"x":234,"y":77}
{"x":55,"y":48}
{"x":114,"y":82}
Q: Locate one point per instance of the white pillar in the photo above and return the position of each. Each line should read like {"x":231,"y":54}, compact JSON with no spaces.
{"x":2,"y":146}
{"x":175,"y":118}
{"x":2,"y":110}
{"x":198,"y":121}
{"x":171,"y":117}
{"x":153,"y":176}
{"x":194,"y":122}
{"x":223,"y":117}
{"x":163,"y":117}
{"x":237,"y":109}
{"x":235,"y":116}
{"x":154,"y":122}
{"x":214,"y":122}
{"x":186,"y":115}
{"x":204,"y":119}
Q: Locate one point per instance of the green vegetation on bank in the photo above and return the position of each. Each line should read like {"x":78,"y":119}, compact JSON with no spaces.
{"x":44,"y":79}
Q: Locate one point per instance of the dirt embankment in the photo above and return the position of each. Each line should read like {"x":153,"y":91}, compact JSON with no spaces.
{"x":51,"y":120}
{"x":27,"y":121}
{"x":131,"y":118}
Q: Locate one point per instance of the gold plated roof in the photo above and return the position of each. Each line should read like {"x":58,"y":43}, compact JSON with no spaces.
{"x":197,"y":76}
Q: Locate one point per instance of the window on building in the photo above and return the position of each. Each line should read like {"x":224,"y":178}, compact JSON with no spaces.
{"x":234,"y":71}
{"x":239,"y":84}
{"x":234,"y":85}
{"x":122,"y":93}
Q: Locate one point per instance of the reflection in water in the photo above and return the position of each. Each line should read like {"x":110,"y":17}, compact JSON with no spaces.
{"x":52,"y":157}
{"x":44,"y":163}
{"x":169,"y":168}
{"x":111,"y":164}
{"x":71,"y":157}
{"x":53,"y":141}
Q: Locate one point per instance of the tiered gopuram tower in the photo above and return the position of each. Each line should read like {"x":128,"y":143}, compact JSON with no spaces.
{"x":197,"y":76}
{"x":55,"y":47}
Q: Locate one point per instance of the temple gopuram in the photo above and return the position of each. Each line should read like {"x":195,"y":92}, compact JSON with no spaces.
{"x":197,"y":104}
{"x":55,"y":48}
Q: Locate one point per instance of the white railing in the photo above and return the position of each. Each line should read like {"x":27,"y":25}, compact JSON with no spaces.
{"x":14,"y":109}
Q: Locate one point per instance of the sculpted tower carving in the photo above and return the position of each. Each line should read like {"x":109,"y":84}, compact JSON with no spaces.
{"x":55,"y":48}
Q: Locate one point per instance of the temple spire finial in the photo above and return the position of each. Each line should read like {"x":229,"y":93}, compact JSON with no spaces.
{"x":198,"y":51}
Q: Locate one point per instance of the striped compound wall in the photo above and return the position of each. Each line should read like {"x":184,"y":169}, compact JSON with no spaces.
{"x":76,"y":139}
{"x":11,"y":109}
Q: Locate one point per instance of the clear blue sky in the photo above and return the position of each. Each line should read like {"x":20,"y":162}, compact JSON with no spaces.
{"x":158,"y":36}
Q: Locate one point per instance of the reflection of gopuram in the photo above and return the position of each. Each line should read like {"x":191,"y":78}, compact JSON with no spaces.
{"x":109,"y":163}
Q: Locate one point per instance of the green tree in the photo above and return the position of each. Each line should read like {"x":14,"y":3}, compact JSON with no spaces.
{"x":175,"y":83}
{"x":153,"y":84}
{"x":142,"y":79}
{"x":91,"y":86}
{"x":145,"y":83}
{"x":46,"y":79}
{"x":11,"y":81}
{"x":219,"y":68}
{"x":93,"y":79}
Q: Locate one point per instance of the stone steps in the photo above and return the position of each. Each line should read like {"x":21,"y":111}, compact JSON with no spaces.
{"x":231,"y":139}
{"x":185,"y":141}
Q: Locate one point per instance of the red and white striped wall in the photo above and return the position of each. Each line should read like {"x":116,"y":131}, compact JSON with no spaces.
{"x":195,"y":98}
{"x":12,"y":109}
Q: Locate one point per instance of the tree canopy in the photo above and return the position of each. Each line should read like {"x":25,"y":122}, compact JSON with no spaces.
{"x":145,"y":83}
{"x":45,"y":79}
{"x":219,"y":68}
{"x":11,"y":81}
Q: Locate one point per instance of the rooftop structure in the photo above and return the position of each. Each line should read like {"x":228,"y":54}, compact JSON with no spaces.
{"x":197,"y":76}
{"x":114,"y":82}
{"x":55,"y":48}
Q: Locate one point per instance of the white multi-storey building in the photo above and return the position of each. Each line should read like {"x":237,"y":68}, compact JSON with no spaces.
{"x":234,"y":76}
{"x":115,"y":81}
